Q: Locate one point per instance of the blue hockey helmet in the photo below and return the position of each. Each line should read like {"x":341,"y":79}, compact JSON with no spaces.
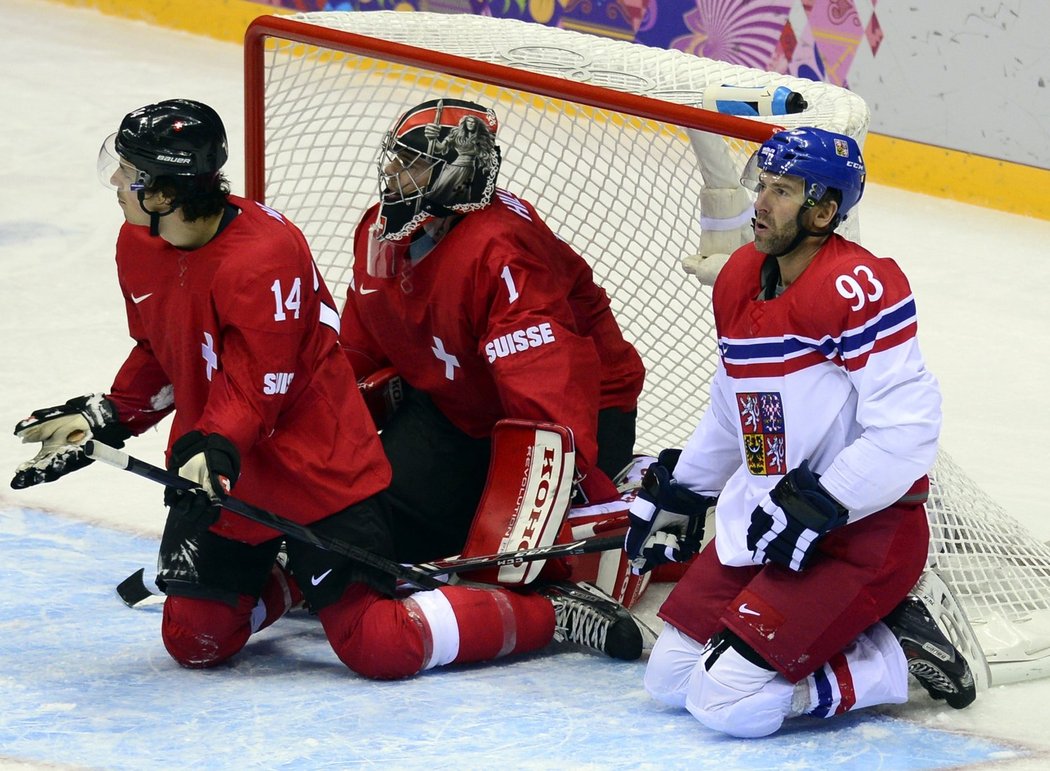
{"x":823,"y":159}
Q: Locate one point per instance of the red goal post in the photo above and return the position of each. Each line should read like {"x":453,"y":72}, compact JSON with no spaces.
{"x":336,"y":38}
{"x":611,"y":142}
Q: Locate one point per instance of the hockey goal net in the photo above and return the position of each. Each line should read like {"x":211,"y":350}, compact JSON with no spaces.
{"x":611,"y":142}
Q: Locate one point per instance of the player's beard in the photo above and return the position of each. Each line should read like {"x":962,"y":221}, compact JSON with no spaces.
{"x":775,"y":239}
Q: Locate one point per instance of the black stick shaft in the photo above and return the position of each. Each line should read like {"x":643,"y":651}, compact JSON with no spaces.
{"x":106,"y":454}
{"x":464,"y":564}
{"x":421,"y":575}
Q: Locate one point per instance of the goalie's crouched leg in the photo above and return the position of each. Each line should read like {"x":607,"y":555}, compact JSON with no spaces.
{"x":610,"y":571}
{"x":387,"y":638}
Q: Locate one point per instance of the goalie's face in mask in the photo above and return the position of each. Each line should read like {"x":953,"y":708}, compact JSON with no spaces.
{"x":439,"y":159}
{"x":406,"y":175}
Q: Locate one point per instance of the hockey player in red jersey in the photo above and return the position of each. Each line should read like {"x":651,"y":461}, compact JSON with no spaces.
{"x":235,"y":333}
{"x":485,"y":314}
{"x":822,"y":425}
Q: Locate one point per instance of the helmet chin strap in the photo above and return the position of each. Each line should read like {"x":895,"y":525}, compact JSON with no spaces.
{"x":154,"y":217}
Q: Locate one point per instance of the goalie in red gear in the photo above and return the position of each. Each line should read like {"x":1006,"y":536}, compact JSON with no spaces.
{"x":485,"y":314}
{"x":235,"y":334}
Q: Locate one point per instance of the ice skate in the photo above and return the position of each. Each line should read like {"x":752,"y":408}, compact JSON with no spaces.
{"x":587,"y":616}
{"x":932,"y":659}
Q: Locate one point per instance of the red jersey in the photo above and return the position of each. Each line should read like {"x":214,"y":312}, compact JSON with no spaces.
{"x":500,"y":319}
{"x":240,"y":338}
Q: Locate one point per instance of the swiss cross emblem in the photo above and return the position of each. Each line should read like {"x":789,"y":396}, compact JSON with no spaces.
{"x":446,"y":358}
{"x":762,"y":424}
{"x":211,"y":359}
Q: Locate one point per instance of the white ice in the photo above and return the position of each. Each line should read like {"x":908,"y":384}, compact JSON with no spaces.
{"x":85,"y":681}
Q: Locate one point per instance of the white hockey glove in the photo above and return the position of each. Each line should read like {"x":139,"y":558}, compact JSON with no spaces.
{"x":666,"y":519}
{"x":62,"y":431}
{"x":789,"y":522}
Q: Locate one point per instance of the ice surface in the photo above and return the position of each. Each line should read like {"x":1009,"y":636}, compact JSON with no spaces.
{"x":85,"y":682}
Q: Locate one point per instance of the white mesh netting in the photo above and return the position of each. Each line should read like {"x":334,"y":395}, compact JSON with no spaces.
{"x":623,"y":190}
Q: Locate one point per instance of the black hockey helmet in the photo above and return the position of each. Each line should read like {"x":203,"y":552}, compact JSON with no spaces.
{"x":176,"y":137}
{"x":455,"y":140}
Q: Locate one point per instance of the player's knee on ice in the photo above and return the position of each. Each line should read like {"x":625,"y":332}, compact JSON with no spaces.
{"x":738,"y":697}
{"x":671,"y":664}
{"x":200,"y":633}
{"x":718,"y":685}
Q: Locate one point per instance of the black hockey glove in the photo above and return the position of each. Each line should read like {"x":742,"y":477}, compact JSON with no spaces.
{"x":666,"y":519}
{"x":792,"y":518}
{"x":212,"y":462}
{"x":62,"y":432}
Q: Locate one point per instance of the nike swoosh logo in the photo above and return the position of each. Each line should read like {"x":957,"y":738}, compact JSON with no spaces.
{"x":368,"y":291}
{"x":140,"y":298}
{"x":746,"y":610}
{"x":315,"y":580}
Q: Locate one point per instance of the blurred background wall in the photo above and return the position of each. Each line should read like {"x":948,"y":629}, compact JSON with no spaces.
{"x":958,"y":91}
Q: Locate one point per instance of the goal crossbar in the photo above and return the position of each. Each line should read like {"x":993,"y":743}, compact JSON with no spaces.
{"x":262,"y":28}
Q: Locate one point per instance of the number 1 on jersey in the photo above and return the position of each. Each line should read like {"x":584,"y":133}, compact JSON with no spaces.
{"x":512,"y":290}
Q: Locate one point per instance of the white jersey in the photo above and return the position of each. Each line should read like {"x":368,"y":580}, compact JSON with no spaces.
{"x":830,"y":371}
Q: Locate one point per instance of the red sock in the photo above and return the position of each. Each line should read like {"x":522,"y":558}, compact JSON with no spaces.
{"x":386,"y":639}
{"x":201,"y":633}
{"x":468,"y":624}
{"x":280,"y":594}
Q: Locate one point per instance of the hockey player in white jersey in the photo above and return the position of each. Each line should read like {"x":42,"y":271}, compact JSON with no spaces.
{"x":822,"y":426}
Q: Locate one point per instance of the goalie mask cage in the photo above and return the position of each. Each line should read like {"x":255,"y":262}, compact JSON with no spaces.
{"x":608,"y":140}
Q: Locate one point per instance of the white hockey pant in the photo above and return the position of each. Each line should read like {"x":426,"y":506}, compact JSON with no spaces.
{"x":744,"y":700}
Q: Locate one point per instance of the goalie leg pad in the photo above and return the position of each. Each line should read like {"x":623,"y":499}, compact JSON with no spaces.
{"x":526,"y":499}
{"x":610,"y":571}
{"x":383,"y":392}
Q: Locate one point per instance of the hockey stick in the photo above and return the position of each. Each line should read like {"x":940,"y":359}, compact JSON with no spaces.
{"x":133,"y":590}
{"x":114,"y":457}
{"x":572,"y":549}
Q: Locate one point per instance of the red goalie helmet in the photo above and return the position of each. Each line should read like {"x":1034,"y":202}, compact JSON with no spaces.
{"x":439,"y":159}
